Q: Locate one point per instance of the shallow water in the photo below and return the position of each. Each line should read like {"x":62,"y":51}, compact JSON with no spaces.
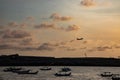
{"x":78,"y":73}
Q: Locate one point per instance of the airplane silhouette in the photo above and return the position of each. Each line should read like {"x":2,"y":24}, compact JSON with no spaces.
{"x":79,"y":39}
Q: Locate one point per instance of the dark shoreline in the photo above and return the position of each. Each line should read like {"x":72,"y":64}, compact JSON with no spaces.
{"x":16,"y":60}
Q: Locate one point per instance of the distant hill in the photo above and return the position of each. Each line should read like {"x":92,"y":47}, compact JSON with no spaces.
{"x":16,"y":60}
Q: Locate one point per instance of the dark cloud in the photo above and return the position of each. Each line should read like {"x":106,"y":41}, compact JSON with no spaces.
{"x":23,"y":25}
{"x":85,"y":42}
{"x":71,"y":41}
{"x":27,"y":41}
{"x":15,"y":34}
{"x":1,"y":32}
{"x":91,"y":50}
{"x":88,"y":3}
{"x":31,"y":18}
{"x":58,"y":45}
{"x":83,"y":48}
{"x":1,"y":27}
{"x":72,"y":28}
{"x":7,"y":46}
{"x":55,"y":27}
{"x":28,"y":44}
{"x":66,"y":45}
{"x":46,"y":26}
{"x":4,"y":46}
{"x":117,"y":46}
{"x":1,"y":40}
{"x":70,"y":49}
{"x":58,"y":17}
{"x":46,"y":47}
{"x":100,"y":48}
{"x":104,"y":48}
{"x":13,"y":24}
{"x":27,"y":48}
{"x":16,"y":47}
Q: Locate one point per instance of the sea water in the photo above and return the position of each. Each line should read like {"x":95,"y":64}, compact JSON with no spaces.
{"x":78,"y":73}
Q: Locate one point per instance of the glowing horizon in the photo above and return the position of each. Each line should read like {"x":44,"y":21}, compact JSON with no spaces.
{"x":50,"y":28}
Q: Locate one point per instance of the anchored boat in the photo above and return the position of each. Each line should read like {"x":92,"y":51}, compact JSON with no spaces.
{"x":27,"y":72}
{"x":11,"y":69}
{"x":45,"y":68}
{"x":116,"y":77}
{"x":62,"y":73}
{"x":106,"y":74}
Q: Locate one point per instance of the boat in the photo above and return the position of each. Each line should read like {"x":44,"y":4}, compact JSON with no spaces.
{"x":45,"y":68}
{"x":116,"y":77}
{"x":22,"y":71}
{"x":106,"y":74}
{"x":30,"y":72}
{"x":65,"y":69}
{"x":62,"y":73}
{"x":11,"y":69}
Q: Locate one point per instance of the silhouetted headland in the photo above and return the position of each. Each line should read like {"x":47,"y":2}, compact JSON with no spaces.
{"x":16,"y":60}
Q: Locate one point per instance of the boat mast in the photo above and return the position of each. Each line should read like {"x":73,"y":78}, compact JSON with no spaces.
{"x":85,"y":54}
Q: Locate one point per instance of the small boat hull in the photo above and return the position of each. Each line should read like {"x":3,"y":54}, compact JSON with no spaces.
{"x":45,"y":69}
{"x":11,"y":69}
{"x":23,"y":71}
{"x":59,"y":74}
{"x":106,"y":74}
{"x":115,"y":78}
{"x":28,"y":72}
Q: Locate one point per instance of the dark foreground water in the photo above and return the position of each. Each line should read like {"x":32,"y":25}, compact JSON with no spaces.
{"x":78,"y":73}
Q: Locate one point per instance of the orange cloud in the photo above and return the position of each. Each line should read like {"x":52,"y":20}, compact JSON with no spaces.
{"x":72,"y":28}
{"x":88,"y":3}
{"x":71,"y":49}
{"x":23,"y":25}
{"x":13,"y":24}
{"x":103,"y":48}
{"x":6,"y":46}
{"x":100,"y":48}
{"x":46,"y":47}
{"x":15,"y":34}
{"x":46,"y":26}
{"x":58,"y":17}
{"x":53,"y":26}
{"x":31,"y":18}
{"x":27,"y":41}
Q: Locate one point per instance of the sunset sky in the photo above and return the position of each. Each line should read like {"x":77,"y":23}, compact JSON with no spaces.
{"x":50,"y":28}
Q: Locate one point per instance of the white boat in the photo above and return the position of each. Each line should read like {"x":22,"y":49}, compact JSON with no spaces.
{"x":116,"y":77}
{"x":45,"y":68}
{"x":64,"y":72}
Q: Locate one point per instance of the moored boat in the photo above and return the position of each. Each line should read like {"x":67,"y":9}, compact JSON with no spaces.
{"x":22,"y":71}
{"x":106,"y":74}
{"x":62,"y":73}
{"x":116,"y":77}
{"x":11,"y":69}
{"x":30,"y":72}
{"x":45,"y":68}
{"x":65,"y":69}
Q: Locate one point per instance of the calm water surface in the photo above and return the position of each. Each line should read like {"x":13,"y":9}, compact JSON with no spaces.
{"x":78,"y":73}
